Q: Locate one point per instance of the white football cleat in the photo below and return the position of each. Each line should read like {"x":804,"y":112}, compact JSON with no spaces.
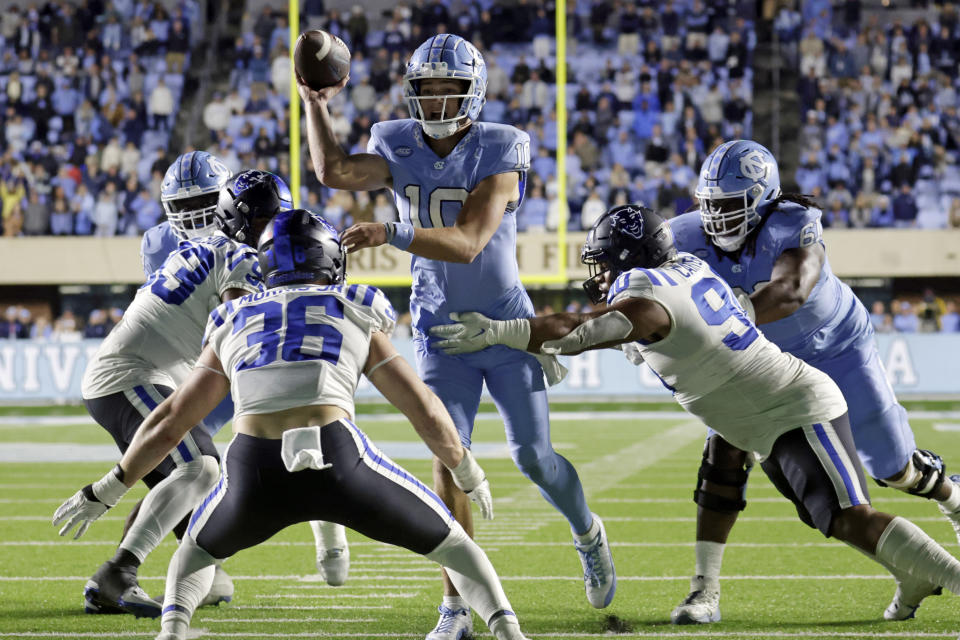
{"x":599,"y":575}
{"x":334,"y":565}
{"x":702,"y":604}
{"x":454,"y":624}
{"x":910,"y":593}
{"x":506,"y":627}
{"x":220,"y":591}
{"x":953,"y":516}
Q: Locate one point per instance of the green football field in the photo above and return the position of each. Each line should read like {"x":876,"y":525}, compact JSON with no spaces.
{"x":638,"y":465}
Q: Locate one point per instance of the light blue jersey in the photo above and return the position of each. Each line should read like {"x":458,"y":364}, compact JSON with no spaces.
{"x":831,"y":330}
{"x":429,"y":192}
{"x":159,"y":242}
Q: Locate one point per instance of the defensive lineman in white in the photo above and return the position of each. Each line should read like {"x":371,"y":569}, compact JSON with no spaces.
{"x":146,"y":356}
{"x":292,"y":356}
{"x":674,"y":311}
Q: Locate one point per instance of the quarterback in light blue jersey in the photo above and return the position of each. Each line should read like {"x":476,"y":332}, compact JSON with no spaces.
{"x":457,"y":184}
{"x":769,"y":248}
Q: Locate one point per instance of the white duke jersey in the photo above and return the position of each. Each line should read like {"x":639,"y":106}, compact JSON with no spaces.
{"x":161,"y":333}
{"x":719,"y":366}
{"x":297,"y":345}
{"x":429,"y":192}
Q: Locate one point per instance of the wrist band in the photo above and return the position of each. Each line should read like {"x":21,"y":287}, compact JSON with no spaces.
{"x":399,"y":234}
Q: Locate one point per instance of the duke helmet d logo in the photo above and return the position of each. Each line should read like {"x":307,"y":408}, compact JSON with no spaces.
{"x":754,"y":166}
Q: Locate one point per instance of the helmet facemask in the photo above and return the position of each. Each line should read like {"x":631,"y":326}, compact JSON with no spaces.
{"x":597,"y":270}
{"x":728,"y":218}
{"x":469,"y":100}
{"x":192,"y":216}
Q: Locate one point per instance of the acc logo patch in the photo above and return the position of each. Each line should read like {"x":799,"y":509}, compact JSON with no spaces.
{"x":439,"y":164}
{"x":403,"y":152}
{"x":754,"y":166}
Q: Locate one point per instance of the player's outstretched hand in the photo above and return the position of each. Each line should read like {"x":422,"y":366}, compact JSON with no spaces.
{"x":482,"y":497}
{"x":364,"y":235}
{"x":83,"y":508}
{"x":90,"y":503}
{"x":471,"y":332}
{"x":470,"y":478}
{"x":322,"y":95}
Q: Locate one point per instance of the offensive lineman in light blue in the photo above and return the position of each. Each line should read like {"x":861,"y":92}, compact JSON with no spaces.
{"x":457,"y":184}
{"x":769,"y":248}
{"x":189,"y":194}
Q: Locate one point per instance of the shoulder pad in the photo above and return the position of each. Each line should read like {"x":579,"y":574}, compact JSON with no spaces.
{"x":792,"y":226}
{"x":636,"y":283}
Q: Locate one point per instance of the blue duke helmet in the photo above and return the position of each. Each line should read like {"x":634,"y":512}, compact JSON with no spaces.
{"x":189,"y":193}
{"x":299,"y":246}
{"x":738,"y":182}
{"x":623,"y":238}
{"x":248,"y":201}
{"x":446,"y":56}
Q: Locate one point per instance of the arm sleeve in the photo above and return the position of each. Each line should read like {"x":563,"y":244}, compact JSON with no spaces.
{"x":795,"y":228}
{"x":508,"y":150}
{"x":240,"y":270}
{"x":636,"y":283}
{"x":370,"y":308}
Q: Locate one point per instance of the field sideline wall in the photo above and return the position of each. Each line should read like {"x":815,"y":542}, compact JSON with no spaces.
{"x":33,"y":372}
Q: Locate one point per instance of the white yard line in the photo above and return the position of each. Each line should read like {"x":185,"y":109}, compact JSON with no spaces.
{"x":204,"y":633}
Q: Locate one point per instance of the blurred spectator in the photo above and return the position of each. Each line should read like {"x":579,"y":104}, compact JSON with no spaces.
{"x":878,"y":311}
{"x":905,"y":320}
{"x":950,"y":320}
{"x":930,"y":310}
{"x":160,"y":106}
{"x":36,"y":216}
{"x":905,"y":208}
{"x":12,"y":325}
{"x":97,"y":326}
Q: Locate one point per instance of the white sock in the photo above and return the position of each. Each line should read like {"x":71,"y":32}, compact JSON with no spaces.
{"x":189,"y":577}
{"x":168,"y":502}
{"x":952,"y":502}
{"x":709,"y":559}
{"x":585,"y":538}
{"x":454,"y":602}
{"x":904,"y":546}
{"x":471,"y":573}
{"x":505,"y":627}
{"x":328,"y":535}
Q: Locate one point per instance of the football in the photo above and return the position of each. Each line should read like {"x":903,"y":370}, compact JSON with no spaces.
{"x":321,"y":59}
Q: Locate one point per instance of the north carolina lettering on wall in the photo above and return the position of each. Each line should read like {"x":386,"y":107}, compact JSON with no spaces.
{"x":39,"y":371}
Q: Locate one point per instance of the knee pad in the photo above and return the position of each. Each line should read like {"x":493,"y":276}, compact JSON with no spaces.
{"x":725,"y":476}
{"x":922,"y":476}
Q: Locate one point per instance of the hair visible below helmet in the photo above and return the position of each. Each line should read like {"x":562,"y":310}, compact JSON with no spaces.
{"x":189,"y":193}
{"x":737,"y":182}
{"x":624,"y":237}
{"x":251,"y":196}
{"x":299,"y":246}
{"x":448,"y":57}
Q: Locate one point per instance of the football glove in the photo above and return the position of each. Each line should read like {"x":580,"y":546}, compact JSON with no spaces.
{"x":90,"y":503}
{"x":469,"y":478}
{"x":744,"y":299}
{"x":632,"y":352}
{"x":474,"y":331}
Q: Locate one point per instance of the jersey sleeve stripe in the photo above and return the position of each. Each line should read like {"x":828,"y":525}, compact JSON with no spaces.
{"x":368,"y":297}
{"x":352,"y":292}
{"x":652,"y":277}
{"x":216,"y":317}
{"x":666,"y":277}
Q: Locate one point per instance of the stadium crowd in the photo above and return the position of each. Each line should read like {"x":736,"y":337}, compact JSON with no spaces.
{"x":880,"y":127}
{"x":88,"y":95}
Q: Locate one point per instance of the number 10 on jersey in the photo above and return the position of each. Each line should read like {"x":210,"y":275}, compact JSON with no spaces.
{"x":434,"y":204}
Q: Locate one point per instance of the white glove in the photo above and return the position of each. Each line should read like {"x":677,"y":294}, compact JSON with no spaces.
{"x":474,"y":331}
{"x":744,"y":299}
{"x":90,"y":503}
{"x":469,"y":478}
{"x":632,"y":352}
